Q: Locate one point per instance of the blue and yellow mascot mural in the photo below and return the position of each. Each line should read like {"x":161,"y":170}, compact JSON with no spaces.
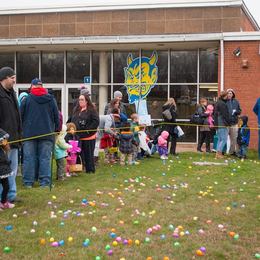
{"x":148,"y":77}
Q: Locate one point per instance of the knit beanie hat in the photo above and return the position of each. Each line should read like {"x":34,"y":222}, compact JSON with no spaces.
{"x":6,"y":72}
{"x":3,"y":135}
{"x":118,"y":94}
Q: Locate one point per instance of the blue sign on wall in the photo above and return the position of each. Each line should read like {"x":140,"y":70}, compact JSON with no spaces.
{"x":87,"y":80}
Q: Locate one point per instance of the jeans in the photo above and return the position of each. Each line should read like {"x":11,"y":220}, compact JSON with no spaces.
{"x":222,"y":134}
{"x":37,"y":157}
{"x":13,"y":157}
{"x":233,"y":133}
{"x":243,"y":150}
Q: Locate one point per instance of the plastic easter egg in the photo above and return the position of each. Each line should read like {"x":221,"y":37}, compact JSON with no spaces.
{"x":7,"y":249}
{"x":171,"y":227}
{"x":70,"y":239}
{"x":137,"y":242}
{"x":62,"y":224}
{"x":176,"y":244}
{"x":257,"y":255}
{"x":42,"y":241}
{"x":166,"y":258}
{"x":15,"y":216}
{"x":97,"y":258}
{"x":61,"y":243}
{"x":55,"y":244}
{"x":115,"y":243}
{"x":108,"y":247}
{"x":182,"y":233}
{"x":119,"y":239}
{"x":147,"y":240}
{"x":199,"y":252}
{"x":110,"y":252}
{"x":35,"y":223}
{"x":125,"y":242}
{"x":54,"y":197}
{"x":236,"y":237}
{"x":149,"y":231}
{"x":136,"y":222}
{"x":85,"y":244}
{"x":9,"y":228}
{"x":162,"y":236}
{"x":52,"y":239}
{"x":112,"y":235}
{"x":203,"y":249}
{"x":48,"y":233}
{"x":231,"y":233}
{"x":32,"y":230}
{"x":94,"y":229}
{"x":149,"y":258}
{"x":130,"y":242}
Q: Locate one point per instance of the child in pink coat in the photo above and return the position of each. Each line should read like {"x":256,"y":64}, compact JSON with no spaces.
{"x":162,"y":145}
{"x":209,"y":111}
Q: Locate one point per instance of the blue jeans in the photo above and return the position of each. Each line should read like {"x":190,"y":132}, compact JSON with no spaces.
{"x":243,"y":150}
{"x":37,"y":156}
{"x":222,"y":134}
{"x":13,"y":157}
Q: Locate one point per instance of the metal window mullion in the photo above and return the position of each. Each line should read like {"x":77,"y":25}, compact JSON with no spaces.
{"x":198,"y":88}
{"x":112,"y":72}
{"x":40,"y":64}
{"x":169,"y":72}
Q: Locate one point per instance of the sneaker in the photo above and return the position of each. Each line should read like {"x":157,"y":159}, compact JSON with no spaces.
{"x":73,"y":174}
{"x":162,"y":157}
{"x":166,"y":157}
{"x":6,"y":205}
{"x":68,"y":174}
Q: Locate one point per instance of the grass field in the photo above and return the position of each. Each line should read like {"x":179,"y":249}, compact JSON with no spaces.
{"x":195,"y":206}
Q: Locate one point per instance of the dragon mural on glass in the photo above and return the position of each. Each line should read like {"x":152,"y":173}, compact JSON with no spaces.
{"x":148,"y":78}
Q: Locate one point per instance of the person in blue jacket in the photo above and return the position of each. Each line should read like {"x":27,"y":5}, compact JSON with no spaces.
{"x":256,"y":109}
{"x":40,"y":117}
{"x":243,"y":137}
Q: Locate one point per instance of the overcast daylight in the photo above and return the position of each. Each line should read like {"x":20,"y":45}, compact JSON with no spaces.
{"x":129,"y":130}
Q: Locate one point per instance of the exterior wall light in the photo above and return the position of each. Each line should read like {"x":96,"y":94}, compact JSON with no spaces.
{"x":237,"y":52}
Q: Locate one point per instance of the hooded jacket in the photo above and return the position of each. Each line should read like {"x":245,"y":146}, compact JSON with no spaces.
{"x":60,"y":149}
{"x":10,"y":120}
{"x":126,"y":139}
{"x":162,"y":140}
{"x":234,"y":109}
{"x":243,"y":132}
{"x":39,"y":114}
{"x":256,"y":110}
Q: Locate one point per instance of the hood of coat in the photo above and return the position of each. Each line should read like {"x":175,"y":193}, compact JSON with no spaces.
{"x":164,"y":135}
{"x":244,"y":120}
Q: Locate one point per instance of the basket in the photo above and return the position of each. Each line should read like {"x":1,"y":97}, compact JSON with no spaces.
{"x":78,"y":167}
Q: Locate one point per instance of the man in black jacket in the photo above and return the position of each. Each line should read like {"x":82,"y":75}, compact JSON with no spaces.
{"x":10,"y":122}
{"x":234,"y":111}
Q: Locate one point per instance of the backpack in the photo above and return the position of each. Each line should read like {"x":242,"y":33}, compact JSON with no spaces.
{"x":167,"y":114}
{"x":196,"y":119}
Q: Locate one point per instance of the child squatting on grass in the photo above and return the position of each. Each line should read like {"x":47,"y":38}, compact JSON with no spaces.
{"x":5,"y":169}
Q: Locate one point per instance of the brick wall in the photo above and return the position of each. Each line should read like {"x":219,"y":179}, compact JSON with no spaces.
{"x":245,"y":81}
{"x":123,"y":22}
{"x":246,"y":25}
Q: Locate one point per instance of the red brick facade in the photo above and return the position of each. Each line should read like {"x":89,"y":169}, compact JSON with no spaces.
{"x":245,"y":81}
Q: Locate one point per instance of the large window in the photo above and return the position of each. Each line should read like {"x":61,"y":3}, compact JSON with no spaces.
{"x":7,"y":60}
{"x":119,"y":63}
{"x":209,"y":66}
{"x":78,"y":66}
{"x":52,"y":67}
{"x":27,"y":67}
{"x":186,"y":99}
{"x":184,"y":66}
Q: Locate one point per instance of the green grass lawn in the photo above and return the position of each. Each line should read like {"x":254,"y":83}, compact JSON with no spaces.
{"x":200,"y":204}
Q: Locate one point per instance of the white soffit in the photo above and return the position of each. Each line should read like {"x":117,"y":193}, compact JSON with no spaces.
{"x":49,"y":6}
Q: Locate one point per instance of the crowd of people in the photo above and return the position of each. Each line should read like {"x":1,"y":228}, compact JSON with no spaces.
{"x":32,"y":131}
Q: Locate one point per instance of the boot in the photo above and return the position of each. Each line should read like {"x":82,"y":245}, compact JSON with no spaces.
{"x":219,"y":155}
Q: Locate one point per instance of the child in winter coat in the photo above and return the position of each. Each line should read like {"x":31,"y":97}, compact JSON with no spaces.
{"x":243,"y":138}
{"x":5,"y":170}
{"x":162,"y":145}
{"x":209,"y":111}
{"x":136,"y":142}
{"x":126,"y":144}
{"x":144,"y":139}
{"x":60,"y":153}
{"x":71,"y":133}
{"x":73,"y":152}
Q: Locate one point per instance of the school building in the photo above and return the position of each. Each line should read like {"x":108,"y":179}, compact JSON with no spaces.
{"x":188,"y":49}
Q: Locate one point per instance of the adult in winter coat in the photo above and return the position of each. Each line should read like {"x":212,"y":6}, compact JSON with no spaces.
{"x":256,"y":110}
{"x":222,"y":121}
{"x":204,"y":131}
{"x":86,"y":119}
{"x":10,"y":122}
{"x":234,"y":111}
{"x":170,"y":125}
{"x":40,"y":116}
